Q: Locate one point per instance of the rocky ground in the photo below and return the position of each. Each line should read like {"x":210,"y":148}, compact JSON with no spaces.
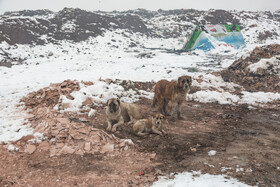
{"x":246,"y":142}
{"x":265,"y":76}
{"x":77,"y":150}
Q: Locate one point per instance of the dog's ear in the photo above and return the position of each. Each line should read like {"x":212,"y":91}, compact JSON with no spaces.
{"x":118,"y":100}
{"x":189,"y":78}
{"x":179,"y":80}
{"x":154,"y":116}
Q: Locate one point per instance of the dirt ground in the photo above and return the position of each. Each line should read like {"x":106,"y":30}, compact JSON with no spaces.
{"x":247,"y":144}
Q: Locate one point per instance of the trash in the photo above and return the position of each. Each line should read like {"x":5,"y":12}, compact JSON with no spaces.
{"x":257,"y":71}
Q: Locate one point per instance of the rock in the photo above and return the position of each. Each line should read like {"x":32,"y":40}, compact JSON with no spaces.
{"x":30,"y":149}
{"x":67,"y":150}
{"x":50,"y":53}
{"x":153,"y":155}
{"x":63,"y":120}
{"x":125,"y":148}
{"x":29,"y":116}
{"x":76,"y":135}
{"x":87,"y":146}
{"x":80,"y":152}
{"x":26,"y":138}
{"x":88,"y":101}
{"x":44,"y":146}
{"x":107,"y":148}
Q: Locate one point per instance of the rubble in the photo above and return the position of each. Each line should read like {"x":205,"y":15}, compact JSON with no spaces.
{"x":265,"y":78}
{"x":49,"y":96}
{"x":64,"y":133}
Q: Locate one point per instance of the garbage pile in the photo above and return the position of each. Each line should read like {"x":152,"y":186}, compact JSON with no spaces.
{"x":58,"y":132}
{"x":258,"y":71}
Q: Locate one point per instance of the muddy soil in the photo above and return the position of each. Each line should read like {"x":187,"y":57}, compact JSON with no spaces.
{"x":247,"y":143}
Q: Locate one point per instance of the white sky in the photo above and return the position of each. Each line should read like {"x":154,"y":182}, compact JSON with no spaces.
{"x":109,"y":5}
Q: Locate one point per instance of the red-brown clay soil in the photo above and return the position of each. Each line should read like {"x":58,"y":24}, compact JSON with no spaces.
{"x":247,"y":144}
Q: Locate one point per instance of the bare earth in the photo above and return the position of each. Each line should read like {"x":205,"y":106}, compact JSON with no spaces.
{"x":247,"y":144}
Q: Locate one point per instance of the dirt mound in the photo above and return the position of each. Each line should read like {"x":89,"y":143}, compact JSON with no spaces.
{"x":49,"y":96}
{"x":61,"y":133}
{"x":257,"y":72}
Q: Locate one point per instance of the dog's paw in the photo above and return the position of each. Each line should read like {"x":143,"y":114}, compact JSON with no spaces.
{"x":109,"y":128}
{"x":114,"y":129}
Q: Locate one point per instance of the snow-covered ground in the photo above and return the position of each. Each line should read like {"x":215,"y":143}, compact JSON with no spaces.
{"x":196,"y":179}
{"x":97,"y":58}
{"x":94,"y":59}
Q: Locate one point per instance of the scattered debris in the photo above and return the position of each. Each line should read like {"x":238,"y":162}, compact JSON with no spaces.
{"x":266,"y":60}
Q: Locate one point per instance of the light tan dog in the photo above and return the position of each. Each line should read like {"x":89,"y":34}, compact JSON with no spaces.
{"x":151,"y":125}
{"x":174,"y":91}
{"x":118,"y":112}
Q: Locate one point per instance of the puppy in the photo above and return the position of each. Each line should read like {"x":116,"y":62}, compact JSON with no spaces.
{"x":151,"y":125}
{"x":174,"y":91}
{"x":118,"y":112}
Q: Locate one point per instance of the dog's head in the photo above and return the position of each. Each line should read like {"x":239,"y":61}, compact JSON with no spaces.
{"x":185,"y":82}
{"x":113,"y":105}
{"x":157,"y":119}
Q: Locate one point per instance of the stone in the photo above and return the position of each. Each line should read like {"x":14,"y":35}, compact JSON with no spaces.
{"x":153,"y":155}
{"x":87,"y":102}
{"x":67,"y":150}
{"x":76,"y":135}
{"x":125,"y":148}
{"x":107,"y":148}
{"x":63,"y":120}
{"x":30,"y":149}
{"x":44,"y":146}
{"x":26,"y":138}
{"x":80,"y":152}
{"x":29,"y":116}
{"x":87,"y":146}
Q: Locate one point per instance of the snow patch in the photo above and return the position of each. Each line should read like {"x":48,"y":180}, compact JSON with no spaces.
{"x":196,"y":179}
{"x":212,"y":153}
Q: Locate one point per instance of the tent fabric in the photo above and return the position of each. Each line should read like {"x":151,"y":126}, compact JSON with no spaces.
{"x":210,"y":36}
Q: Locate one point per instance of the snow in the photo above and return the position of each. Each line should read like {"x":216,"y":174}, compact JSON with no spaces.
{"x":91,"y":113}
{"x":95,"y":58}
{"x":98,"y":93}
{"x":265,"y":64}
{"x":110,"y":57}
{"x":11,"y":147}
{"x":251,"y":98}
{"x":212,"y":153}
{"x":69,"y":27}
{"x":196,"y":179}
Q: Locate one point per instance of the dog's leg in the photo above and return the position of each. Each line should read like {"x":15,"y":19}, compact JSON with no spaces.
{"x":155,"y":130}
{"x":142,"y":133}
{"x":120,"y":122}
{"x":173,"y":108}
{"x":179,"y":108}
{"x":161,"y":106}
{"x":165,"y":103}
{"x":109,"y":127}
{"x":163,"y":131}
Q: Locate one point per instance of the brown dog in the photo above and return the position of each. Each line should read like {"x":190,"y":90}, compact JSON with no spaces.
{"x":151,"y":125}
{"x":174,"y":91}
{"x":118,"y":112}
